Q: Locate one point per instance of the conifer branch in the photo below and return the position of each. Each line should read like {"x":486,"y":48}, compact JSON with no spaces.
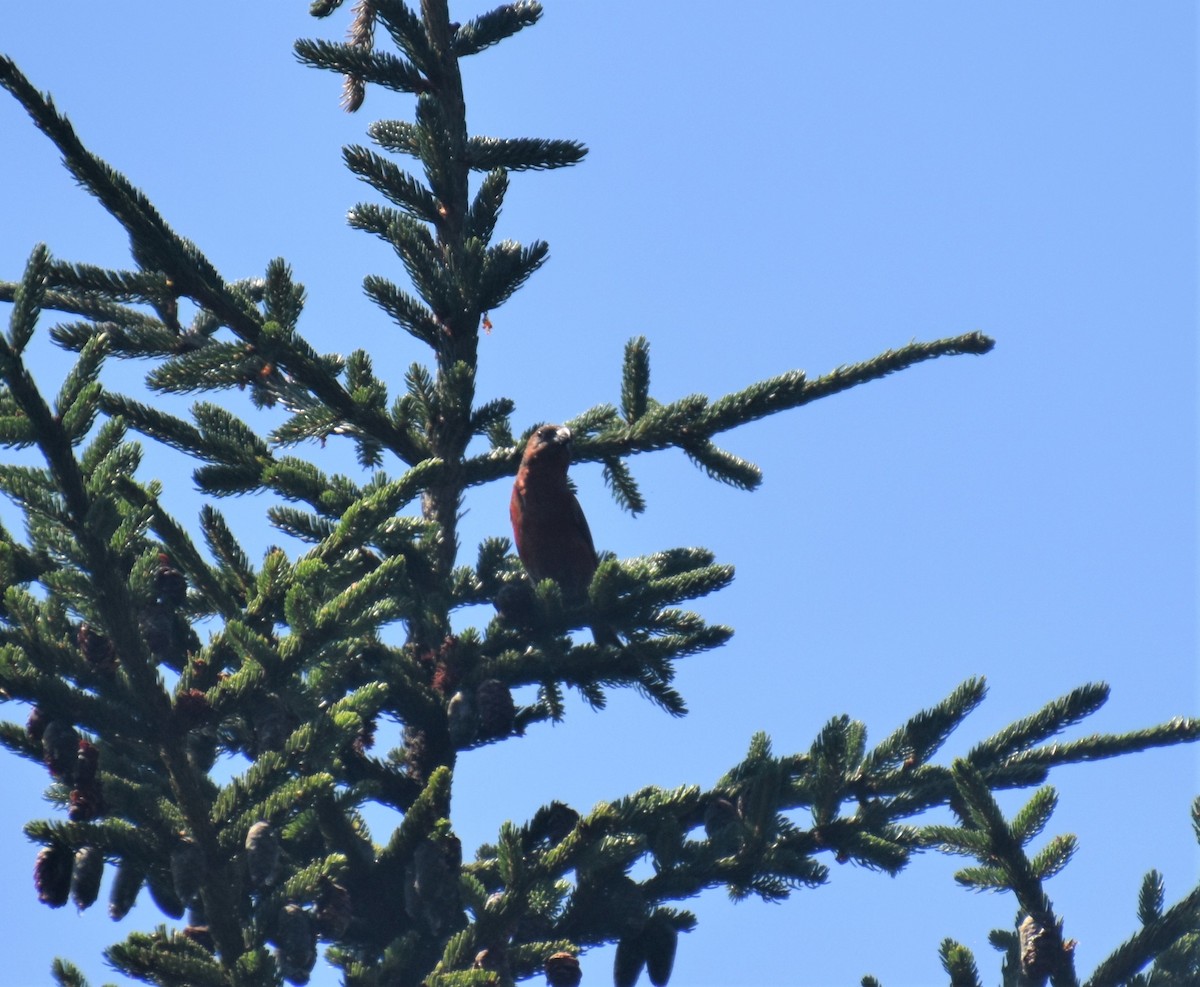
{"x":1179,"y":730}
{"x":378,"y":67}
{"x":160,"y":248}
{"x":752,"y":844}
{"x":93,"y":306}
{"x":484,"y":211}
{"x":297,"y":676}
{"x":150,"y":235}
{"x":1051,"y":719}
{"x":919,"y":739}
{"x":1044,"y":952}
{"x":793,"y":390}
{"x":83,"y":515}
{"x":493,"y":27}
{"x":1158,"y":936}
{"x":959,"y":964}
{"x":522,"y":154}
{"x":183,"y":551}
{"x":400,"y":187}
{"x":689,"y":423}
{"x":67,"y":975}
{"x":408,"y":32}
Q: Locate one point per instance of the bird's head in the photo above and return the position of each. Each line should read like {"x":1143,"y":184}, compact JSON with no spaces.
{"x":548,"y":445}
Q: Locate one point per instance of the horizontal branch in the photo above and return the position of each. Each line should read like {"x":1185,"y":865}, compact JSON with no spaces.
{"x":685,"y":423}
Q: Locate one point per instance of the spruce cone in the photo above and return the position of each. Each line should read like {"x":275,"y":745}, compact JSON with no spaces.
{"x":162,"y":892}
{"x":416,"y":754}
{"x":659,"y":941}
{"x":562,"y":970}
{"x":515,"y":605}
{"x":87,"y":800}
{"x":431,"y":894}
{"x":201,"y":748}
{"x":187,"y":869}
{"x":262,"y":854}
{"x":366,"y":738}
{"x":157,"y":624}
{"x":497,"y":711}
{"x":87,"y":762}
{"x":97,"y":649}
{"x":296,"y":944}
{"x":629,"y":961}
{"x":52,"y":874}
{"x":271,"y":725}
{"x":86,"y":872}
{"x":126,"y":886}
{"x":86,"y":803}
{"x":170,"y":585}
{"x":192,"y":709}
{"x":334,"y":910}
{"x":462,"y":720}
{"x":36,"y":725}
{"x":60,"y":748}
{"x":490,"y":959}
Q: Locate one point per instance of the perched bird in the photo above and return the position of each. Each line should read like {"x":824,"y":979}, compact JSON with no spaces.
{"x":549,"y":528}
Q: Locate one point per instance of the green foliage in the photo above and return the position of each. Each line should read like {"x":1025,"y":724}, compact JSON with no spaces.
{"x":959,"y":964}
{"x":306,"y":656}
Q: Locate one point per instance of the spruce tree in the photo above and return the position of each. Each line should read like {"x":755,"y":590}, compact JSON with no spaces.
{"x":155,"y":653}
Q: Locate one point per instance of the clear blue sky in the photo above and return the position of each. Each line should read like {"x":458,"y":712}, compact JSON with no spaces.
{"x":770,"y":186}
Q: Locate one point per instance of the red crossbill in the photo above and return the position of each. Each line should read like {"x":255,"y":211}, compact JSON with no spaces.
{"x":549,"y":527}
